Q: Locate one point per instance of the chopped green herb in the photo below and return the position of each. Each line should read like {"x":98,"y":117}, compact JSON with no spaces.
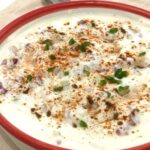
{"x":14,"y":100}
{"x":102,"y":82}
{"x":83,"y":124}
{"x":113,"y":30}
{"x":47,"y":43}
{"x":50,"y":69}
{"x":121,"y":74}
{"x":66,"y":73}
{"x":72,"y":41}
{"x":142,"y":54}
{"x":108,"y":94}
{"x":123,"y":90}
{"x":52,"y":57}
{"x":111,"y":79}
{"x":29,"y":78}
{"x":46,"y":48}
{"x":58,"y":88}
{"x":83,"y":46}
{"x":86,"y":70}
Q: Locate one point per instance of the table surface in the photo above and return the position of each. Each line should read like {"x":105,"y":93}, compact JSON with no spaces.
{"x":19,"y":7}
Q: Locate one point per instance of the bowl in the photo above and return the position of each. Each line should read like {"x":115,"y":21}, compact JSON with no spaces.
{"x":20,"y":132}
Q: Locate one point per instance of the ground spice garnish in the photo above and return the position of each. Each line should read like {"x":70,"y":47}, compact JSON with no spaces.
{"x":48,"y":113}
{"x":115,"y":116}
{"x":74,"y":125}
{"x":120,"y":123}
{"x":38,"y":115}
{"x":90,"y":99}
{"x":26,"y":91}
{"x":74,"y":86}
{"x":33,"y":109}
{"x":109,"y":104}
{"x":123,"y":30}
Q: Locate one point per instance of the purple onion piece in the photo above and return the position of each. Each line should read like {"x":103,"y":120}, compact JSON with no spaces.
{"x":121,"y":132}
{"x":4,"y":62}
{"x":14,"y":50}
{"x":132,"y":122}
{"x":15,"y":61}
{"x":58,"y":142}
{"x":81,"y":22}
{"x":2,"y":89}
{"x":27,"y":45}
{"x":9,"y":63}
{"x":134,"y":117}
{"x":57,"y":70}
{"x":1,"y":85}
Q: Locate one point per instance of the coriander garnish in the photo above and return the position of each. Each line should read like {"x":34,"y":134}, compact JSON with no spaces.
{"x":46,"y":48}
{"x":29,"y":78}
{"x":47,"y":43}
{"x":102,"y":82}
{"x":58,"y":88}
{"x":86,"y":70}
{"x":52,"y":57}
{"x":123,"y":90}
{"x":72,"y":41}
{"x":66,"y":73}
{"x":83,"y":124}
{"x":142,"y":54}
{"x":108,"y":94}
{"x":51,"y":69}
{"x":111,"y":79}
{"x":119,"y":73}
{"x":113,"y":30}
{"x":83,"y":46}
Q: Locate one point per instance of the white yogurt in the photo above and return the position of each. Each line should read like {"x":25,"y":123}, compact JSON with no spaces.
{"x":95,"y":136}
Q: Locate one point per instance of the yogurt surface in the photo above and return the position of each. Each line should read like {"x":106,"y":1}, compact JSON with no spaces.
{"x":79,"y":80}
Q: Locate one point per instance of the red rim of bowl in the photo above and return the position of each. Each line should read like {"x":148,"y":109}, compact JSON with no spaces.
{"x":24,"y":19}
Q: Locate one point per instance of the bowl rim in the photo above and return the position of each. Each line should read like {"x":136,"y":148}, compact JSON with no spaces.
{"x":34,"y":14}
